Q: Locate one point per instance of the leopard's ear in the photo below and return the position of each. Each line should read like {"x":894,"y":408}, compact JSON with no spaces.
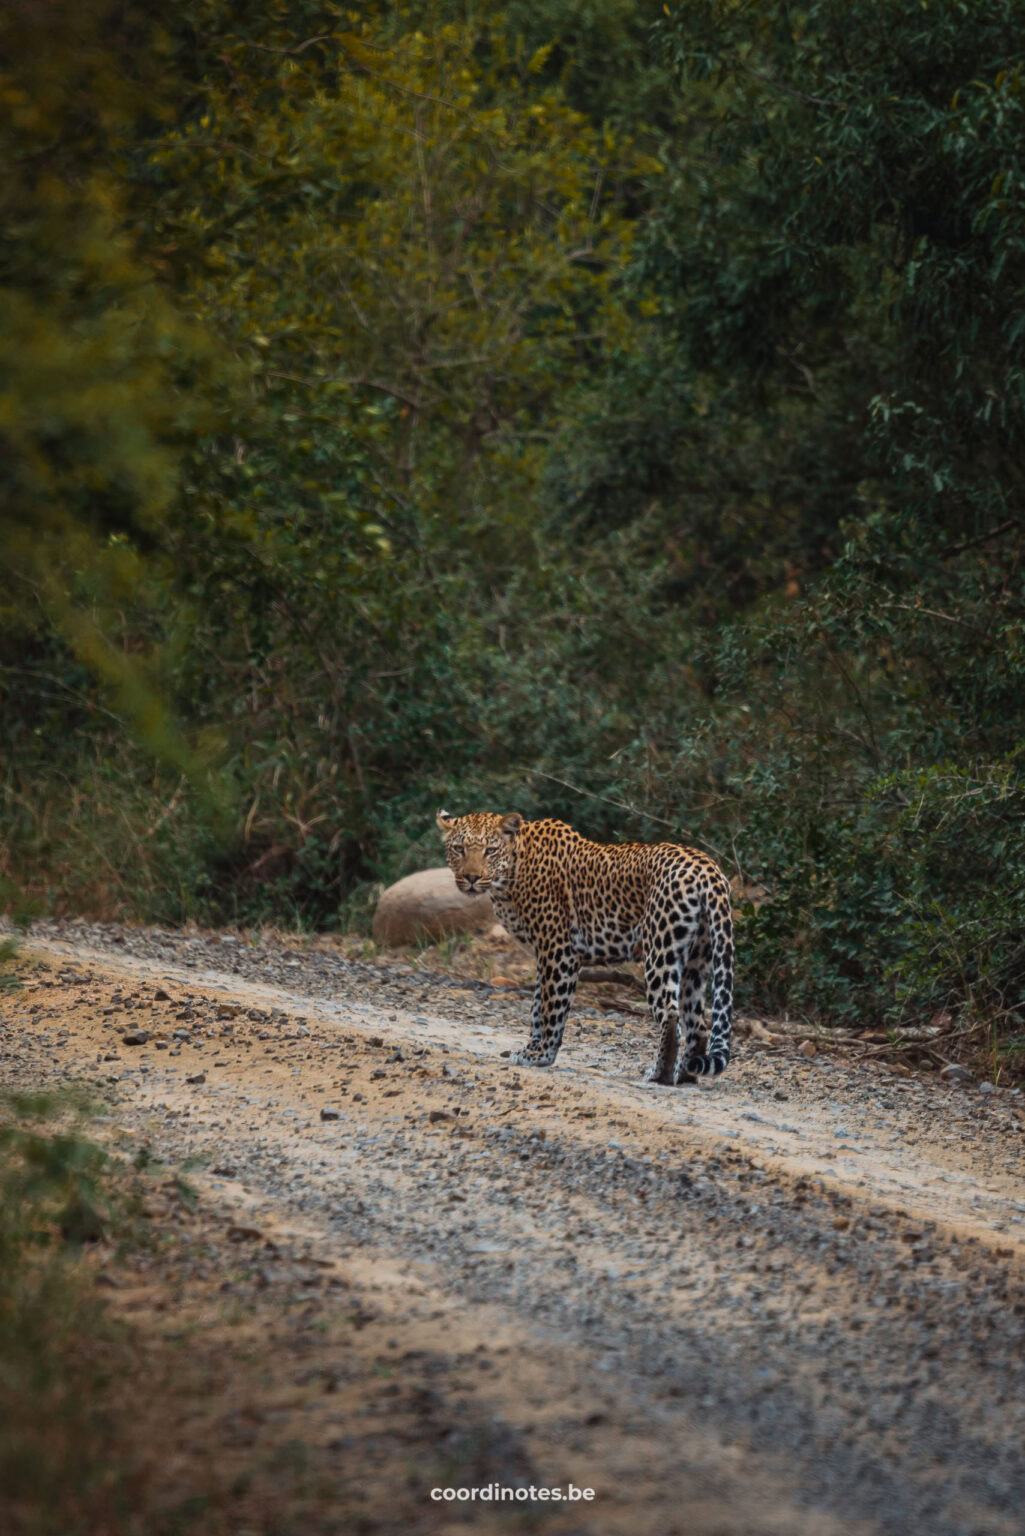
{"x":445,"y":821}
{"x":511,"y":824}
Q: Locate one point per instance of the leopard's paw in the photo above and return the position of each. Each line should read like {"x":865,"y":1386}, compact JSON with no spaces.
{"x":530,"y":1059}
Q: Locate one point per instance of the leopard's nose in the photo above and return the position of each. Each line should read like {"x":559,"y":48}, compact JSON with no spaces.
{"x":471,"y":881}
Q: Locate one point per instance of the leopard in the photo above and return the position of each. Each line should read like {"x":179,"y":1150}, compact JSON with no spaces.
{"x":575,"y":901}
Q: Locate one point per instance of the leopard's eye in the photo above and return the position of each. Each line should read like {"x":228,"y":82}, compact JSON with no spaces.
{"x":493,"y":847}
{"x":457,"y":847}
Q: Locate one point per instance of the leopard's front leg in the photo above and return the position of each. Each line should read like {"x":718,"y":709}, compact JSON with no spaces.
{"x":533,"y":1050}
{"x":557,"y":971}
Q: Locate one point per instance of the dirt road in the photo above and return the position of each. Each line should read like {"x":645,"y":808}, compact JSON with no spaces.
{"x":788,"y":1302}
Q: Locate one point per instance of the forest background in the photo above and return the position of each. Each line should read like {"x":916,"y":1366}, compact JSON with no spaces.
{"x":605,"y":409}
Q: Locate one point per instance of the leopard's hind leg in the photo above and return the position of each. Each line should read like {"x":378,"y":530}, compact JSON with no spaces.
{"x":694,"y":965}
{"x":662,"y":984}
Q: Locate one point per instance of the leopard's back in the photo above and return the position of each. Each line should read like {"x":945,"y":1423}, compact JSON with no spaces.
{"x":604,"y":897}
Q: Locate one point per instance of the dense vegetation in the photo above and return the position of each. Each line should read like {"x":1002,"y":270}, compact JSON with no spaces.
{"x":610,"y":410}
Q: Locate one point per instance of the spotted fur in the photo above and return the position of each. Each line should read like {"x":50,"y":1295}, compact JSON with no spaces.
{"x":575,"y":901}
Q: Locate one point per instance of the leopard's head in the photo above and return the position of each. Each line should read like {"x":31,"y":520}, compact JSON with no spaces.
{"x":481,"y":850}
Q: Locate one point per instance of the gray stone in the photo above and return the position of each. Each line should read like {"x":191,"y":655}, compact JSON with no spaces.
{"x":955,"y":1073}
{"x":428,"y":905}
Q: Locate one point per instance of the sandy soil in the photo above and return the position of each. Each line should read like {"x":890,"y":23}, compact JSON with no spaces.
{"x":790,"y":1301}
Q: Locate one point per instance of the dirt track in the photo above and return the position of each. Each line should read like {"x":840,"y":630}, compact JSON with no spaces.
{"x":789,"y":1302}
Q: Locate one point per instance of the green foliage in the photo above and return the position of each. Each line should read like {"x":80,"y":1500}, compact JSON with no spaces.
{"x":52,"y":1181}
{"x":100,"y":372}
{"x":56,"y":1192}
{"x":413,"y":268}
{"x":9,"y":980}
{"x":853,"y":256}
{"x":443,"y":416}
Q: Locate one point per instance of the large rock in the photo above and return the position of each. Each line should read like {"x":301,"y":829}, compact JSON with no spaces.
{"x":428,"y":904}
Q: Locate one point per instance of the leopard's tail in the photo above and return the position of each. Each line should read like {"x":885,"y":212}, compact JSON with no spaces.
{"x":720,"y":933}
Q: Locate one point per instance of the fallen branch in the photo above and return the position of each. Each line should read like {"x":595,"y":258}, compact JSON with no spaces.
{"x":602,"y":973}
{"x":615,"y":1005}
{"x":925,"y":1036}
{"x":593,"y":973}
{"x":916,"y":1044}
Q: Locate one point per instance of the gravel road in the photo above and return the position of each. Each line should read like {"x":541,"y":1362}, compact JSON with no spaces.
{"x":790,"y":1301}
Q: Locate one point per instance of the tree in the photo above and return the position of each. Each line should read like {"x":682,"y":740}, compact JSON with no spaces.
{"x":838,"y":262}
{"x":103,"y":381}
{"x":406,"y":265}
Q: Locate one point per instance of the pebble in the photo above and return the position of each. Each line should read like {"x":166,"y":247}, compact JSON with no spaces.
{"x":955,"y":1073}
